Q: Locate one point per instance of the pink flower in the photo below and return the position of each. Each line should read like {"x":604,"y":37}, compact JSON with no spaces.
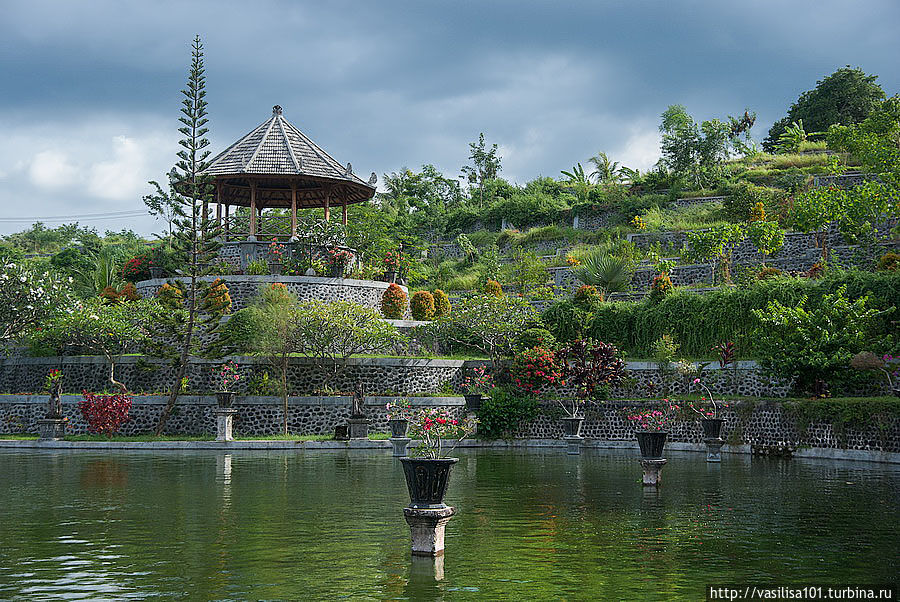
{"x":696,"y":381}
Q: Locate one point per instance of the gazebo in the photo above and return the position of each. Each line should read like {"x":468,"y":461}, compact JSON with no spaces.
{"x":278,"y":166}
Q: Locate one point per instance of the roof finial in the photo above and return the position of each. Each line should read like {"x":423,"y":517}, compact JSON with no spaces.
{"x":276,"y":110}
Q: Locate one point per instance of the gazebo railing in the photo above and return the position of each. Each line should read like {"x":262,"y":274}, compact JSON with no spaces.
{"x":237,"y":227}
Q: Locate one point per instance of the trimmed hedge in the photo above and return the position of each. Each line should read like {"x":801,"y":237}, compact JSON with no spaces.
{"x":700,"y":321}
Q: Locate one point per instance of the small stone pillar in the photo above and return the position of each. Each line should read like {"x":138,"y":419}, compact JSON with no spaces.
{"x":426,"y":527}
{"x":359,"y":428}
{"x":714,"y":449}
{"x":652,"y":470}
{"x":400,"y":444}
{"x":573,"y":444}
{"x":224,"y":422}
{"x":426,"y":570}
{"x":51,"y":429}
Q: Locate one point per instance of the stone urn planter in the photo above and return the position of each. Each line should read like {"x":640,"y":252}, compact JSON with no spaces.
{"x":572,"y":426}
{"x":426,"y":480}
{"x":398,"y":427}
{"x":337,"y":271}
{"x":651,"y":443}
{"x":275,"y":268}
{"x":712,"y":427}
{"x":390,"y":276}
{"x":225,"y":399}
{"x":156,"y":272}
{"x":474,"y":401}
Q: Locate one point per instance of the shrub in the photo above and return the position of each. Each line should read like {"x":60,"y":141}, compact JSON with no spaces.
{"x":814,"y":344}
{"x":239,"y":332}
{"x":757,"y":212}
{"x":660,"y":287}
{"x":217,"y":299}
{"x":535,"y":369}
{"x":104,"y":413}
{"x":109,"y":295}
{"x":137,"y":268}
{"x":129,"y":293}
{"x":768,"y":272}
{"x":535,"y":337}
{"x":816,"y":270}
{"x":502,"y":414}
{"x":393,"y":302}
{"x":257,"y":268}
{"x":889,"y":262}
{"x":441,"y":304}
{"x":493,"y":288}
{"x":587,"y":295}
{"x":170,"y":296}
{"x":422,"y":305}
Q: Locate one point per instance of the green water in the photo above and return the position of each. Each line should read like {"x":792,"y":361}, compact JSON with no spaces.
{"x":531,"y":525}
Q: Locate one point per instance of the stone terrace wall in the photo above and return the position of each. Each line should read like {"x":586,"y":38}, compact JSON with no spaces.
{"x":378,"y":375}
{"x":764,"y":423}
{"x":244,"y":288}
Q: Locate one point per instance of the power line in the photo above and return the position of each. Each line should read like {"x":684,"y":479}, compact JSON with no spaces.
{"x":85,"y":217}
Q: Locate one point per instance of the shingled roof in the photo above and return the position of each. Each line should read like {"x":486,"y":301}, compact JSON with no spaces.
{"x":283,"y":156}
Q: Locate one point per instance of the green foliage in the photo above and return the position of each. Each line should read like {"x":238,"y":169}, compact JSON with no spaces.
{"x":691,"y":151}
{"x":793,"y":137}
{"x":422,"y":305}
{"x":889,"y":262}
{"x":535,"y":337}
{"x":812,"y":344}
{"x":740,"y":199}
{"x":768,"y":237}
{"x":441,"y":303}
{"x":846,"y":96}
{"x":485,"y":166}
{"x":607,"y":273}
{"x":485,"y":322}
{"x":660,"y":287}
{"x":715,"y":245}
{"x":586,"y":296}
{"x":257,"y":267}
{"x":504,"y":412}
{"x":526,"y":271}
{"x":492,"y":288}
{"x":393,"y":302}
{"x":855,"y":413}
{"x":664,"y":349}
{"x":28,"y":298}
{"x":239,"y":333}
{"x":699,"y":322}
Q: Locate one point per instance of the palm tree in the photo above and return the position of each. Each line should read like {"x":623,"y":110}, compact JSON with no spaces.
{"x":605,"y":171}
{"x":610,"y":274}
{"x":580,"y":182}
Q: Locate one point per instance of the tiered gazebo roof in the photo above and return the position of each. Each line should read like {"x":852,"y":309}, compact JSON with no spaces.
{"x":277,"y":165}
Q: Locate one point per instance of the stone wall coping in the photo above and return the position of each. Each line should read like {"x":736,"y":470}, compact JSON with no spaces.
{"x":312,"y":400}
{"x":407,"y":323}
{"x":346,"y":282}
{"x":55,"y":361}
{"x":813,"y":453}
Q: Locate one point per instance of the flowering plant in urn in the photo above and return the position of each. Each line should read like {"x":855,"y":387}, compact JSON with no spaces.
{"x":438,"y":432}
{"x":708,"y":406}
{"x":228,"y":376}
{"x":654,"y":419}
{"x":400,"y":409}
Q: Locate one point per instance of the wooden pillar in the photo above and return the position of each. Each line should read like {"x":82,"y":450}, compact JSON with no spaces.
{"x":218,"y":203}
{"x":293,"y":212}
{"x":344,"y":212}
{"x":327,"y":204}
{"x":252,"y":210}
{"x":227,"y":223}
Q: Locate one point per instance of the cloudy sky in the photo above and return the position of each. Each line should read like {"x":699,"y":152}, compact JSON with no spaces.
{"x":90,"y":89}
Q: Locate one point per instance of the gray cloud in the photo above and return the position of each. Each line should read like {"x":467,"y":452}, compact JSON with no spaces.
{"x":91,"y":90}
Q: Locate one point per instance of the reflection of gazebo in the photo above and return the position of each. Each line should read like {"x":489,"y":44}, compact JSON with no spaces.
{"x":277,"y":166}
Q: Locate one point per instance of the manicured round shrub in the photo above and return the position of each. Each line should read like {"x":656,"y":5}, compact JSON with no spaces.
{"x":393,"y":302}
{"x":170,"y":296}
{"x":492,"y":287}
{"x":441,"y":304}
{"x":587,"y":295}
{"x":768,"y":272}
{"x":422,"y":305}
{"x":535,"y":337}
{"x":889,"y":262}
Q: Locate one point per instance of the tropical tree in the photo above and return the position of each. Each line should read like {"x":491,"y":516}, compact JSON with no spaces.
{"x":28,"y":297}
{"x":164,"y":204}
{"x":277,"y":319}
{"x":605,"y":171}
{"x":715,"y":245}
{"x":847,"y":96}
{"x":695,"y":152}
{"x":485,"y":165}
{"x":580,"y":183}
{"x":196,"y":237}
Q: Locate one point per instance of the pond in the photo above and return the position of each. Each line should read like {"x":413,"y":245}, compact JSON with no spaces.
{"x":531,"y":525}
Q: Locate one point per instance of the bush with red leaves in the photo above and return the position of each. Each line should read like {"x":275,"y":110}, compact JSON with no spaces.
{"x":104,"y":413}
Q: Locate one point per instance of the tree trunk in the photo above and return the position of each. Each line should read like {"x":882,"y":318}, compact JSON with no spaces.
{"x":112,"y":377}
{"x":284,"y":393}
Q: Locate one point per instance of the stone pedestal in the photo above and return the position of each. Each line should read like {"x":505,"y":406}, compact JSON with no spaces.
{"x":426,"y":527}
{"x":359,"y":428}
{"x":224,"y":421}
{"x":652,"y":472}
{"x":573,"y":444}
{"x":51,"y":429}
{"x":400,"y":444}
{"x":714,"y":449}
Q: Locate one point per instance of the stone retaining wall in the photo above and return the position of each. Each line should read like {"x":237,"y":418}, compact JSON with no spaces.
{"x":762,"y":424}
{"x":244,"y":288}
